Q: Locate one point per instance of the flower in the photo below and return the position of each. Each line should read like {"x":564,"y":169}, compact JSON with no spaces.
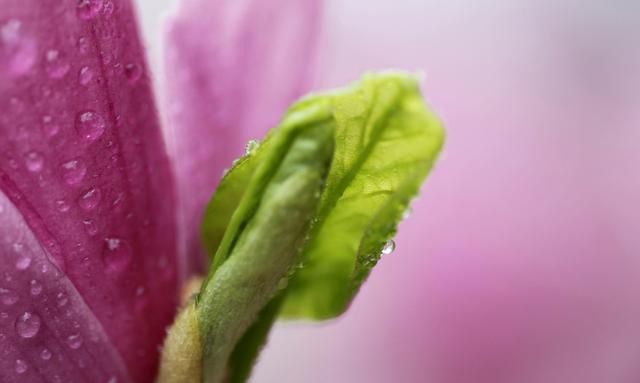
{"x":89,"y":211}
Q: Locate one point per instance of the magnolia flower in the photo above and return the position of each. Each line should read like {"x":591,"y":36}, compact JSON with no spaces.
{"x":98,"y":238}
{"x":90,"y":271}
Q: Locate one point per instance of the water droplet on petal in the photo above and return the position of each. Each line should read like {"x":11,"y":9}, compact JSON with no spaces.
{"x":23,"y":263}
{"x":56,"y":64}
{"x":49,"y":127}
{"x":34,"y":161}
{"x":73,"y":171}
{"x":21,"y":366}
{"x":28,"y":325}
{"x":389,"y":247}
{"x":20,"y":49}
{"x":17,"y":247}
{"x":85,"y":75}
{"x":45,"y":354}
{"x":8,"y":297}
{"x":90,"y":227}
{"x":84,"y":46}
{"x":36,"y":287}
{"x":90,"y":199}
{"x":88,"y":9}
{"x":74,"y":341}
{"x":112,"y":379}
{"x":90,"y":125}
{"x":108,"y":8}
{"x":133,"y":72}
{"x":62,"y":299}
{"x":62,"y":206}
{"x":116,"y":254}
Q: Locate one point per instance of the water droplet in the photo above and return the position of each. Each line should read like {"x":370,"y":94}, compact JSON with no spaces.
{"x":36,"y":287}
{"x":21,"y":366}
{"x":49,"y":127}
{"x":8,"y":297}
{"x":17,"y":247}
{"x":118,"y":202}
{"x":4,"y":315}
{"x":406,"y":214}
{"x":116,"y":254}
{"x":73,"y":171}
{"x":74,"y":341}
{"x":85,"y":75}
{"x":56,"y":64}
{"x":90,"y":227}
{"x":389,"y":247}
{"x":62,"y":206}
{"x":283,"y":283}
{"x":84,"y":46}
{"x":34,"y":161}
{"x":45,"y":354}
{"x":133,"y":72}
{"x":112,"y":379}
{"x":90,"y":125}
{"x":20,"y":49}
{"x":13,"y":163}
{"x":23,"y":263}
{"x":28,"y":325}
{"x":90,"y":199}
{"x":62,"y":299}
{"x":251,"y":146}
{"x":88,"y":9}
{"x":108,"y":8}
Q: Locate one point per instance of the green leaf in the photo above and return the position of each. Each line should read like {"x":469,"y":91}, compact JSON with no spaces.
{"x":386,"y":143}
{"x":264,"y":235}
{"x":298,"y":223}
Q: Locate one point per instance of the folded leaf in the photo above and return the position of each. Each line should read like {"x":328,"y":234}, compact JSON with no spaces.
{"x":264,"y":236}
{"x":234,"y":66}
{"x":385,"y":142}
{"x":82,"y":159}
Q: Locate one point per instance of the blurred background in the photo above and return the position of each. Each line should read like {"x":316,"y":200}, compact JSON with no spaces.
{"x":521,"y":260}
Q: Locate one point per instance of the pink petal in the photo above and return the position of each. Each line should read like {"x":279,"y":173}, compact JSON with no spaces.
{"x":83,"y":161}
{"x":234,"y":68}
{"x":46,"y":329}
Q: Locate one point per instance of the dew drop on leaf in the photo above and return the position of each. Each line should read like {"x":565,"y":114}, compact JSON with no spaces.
{"x":389,"y":247}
